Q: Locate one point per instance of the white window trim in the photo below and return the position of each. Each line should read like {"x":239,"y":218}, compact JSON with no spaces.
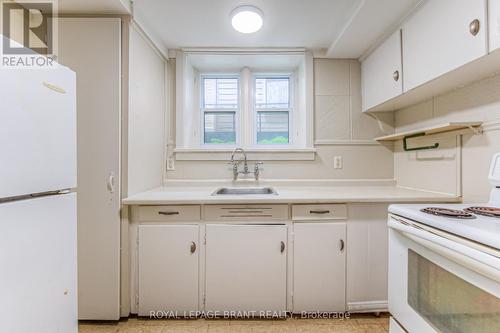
{"x":188,"y":142}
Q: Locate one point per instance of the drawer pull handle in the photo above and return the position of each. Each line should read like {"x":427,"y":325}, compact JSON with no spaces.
{"x":319,"y":212}
{"x":342,"y":245}
{"x":282,"y":247}
{"x":474,"y":27}
{"x":193,"y":247}
{"x":168,"y":213}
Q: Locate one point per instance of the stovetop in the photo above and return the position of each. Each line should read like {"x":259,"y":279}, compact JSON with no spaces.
{"x":479,"y":228}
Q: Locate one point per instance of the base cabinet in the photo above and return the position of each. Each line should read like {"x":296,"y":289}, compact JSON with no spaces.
{"x":367,"y":258}
{"x":319,"y":278}
{"x":168,"y":269}
{"x":246,"y":268}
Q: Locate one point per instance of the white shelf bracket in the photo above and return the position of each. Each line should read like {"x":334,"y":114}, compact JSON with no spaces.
{"x":476,"y":130}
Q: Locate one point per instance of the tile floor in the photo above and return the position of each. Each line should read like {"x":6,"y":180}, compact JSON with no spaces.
{"x":356,"y":324}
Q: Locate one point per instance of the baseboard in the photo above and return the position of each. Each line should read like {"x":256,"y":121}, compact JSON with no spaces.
{"x":371,"y":306}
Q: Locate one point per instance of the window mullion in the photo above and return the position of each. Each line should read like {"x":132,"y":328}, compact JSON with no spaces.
{"x":246,"y":127}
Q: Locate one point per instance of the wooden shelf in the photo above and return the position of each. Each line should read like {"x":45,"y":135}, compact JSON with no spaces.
{"x":442,"y":128}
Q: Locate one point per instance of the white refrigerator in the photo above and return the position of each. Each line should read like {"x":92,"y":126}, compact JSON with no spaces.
{"x":38,"y":244}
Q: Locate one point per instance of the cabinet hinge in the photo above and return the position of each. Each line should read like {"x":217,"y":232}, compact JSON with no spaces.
{"x":204,"y":300}
{"x":137,"y":300}
{"x":205,"y":240}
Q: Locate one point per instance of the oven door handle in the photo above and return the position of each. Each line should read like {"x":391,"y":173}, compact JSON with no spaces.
{"x":475,"y":260}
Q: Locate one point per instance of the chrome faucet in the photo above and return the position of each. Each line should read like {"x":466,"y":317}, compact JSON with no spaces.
{"x":236,"y":162}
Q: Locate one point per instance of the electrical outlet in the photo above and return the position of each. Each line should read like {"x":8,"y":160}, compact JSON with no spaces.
{"x":338,"y":162}
{"x":171,"y":164}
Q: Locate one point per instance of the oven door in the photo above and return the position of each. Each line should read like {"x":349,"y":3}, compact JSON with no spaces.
{"x":439,"y":283}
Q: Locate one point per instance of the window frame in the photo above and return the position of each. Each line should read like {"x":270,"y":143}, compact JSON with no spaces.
{"x":254,"y":113}
{"x":203,"y":110}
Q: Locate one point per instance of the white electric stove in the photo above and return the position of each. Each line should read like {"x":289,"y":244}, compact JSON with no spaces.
{"x":444,"y":265}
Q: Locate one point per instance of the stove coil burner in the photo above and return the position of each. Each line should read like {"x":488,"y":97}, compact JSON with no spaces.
{"x":486,"y":211}
{"x":446,"y":212}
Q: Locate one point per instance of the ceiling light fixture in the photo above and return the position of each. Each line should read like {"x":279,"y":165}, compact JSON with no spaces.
{"x":247,"y":19}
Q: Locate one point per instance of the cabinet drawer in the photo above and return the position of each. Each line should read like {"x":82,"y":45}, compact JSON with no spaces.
{"x":246,"y":212}
{"x":169,"y":213}
{"x":319,"y":212}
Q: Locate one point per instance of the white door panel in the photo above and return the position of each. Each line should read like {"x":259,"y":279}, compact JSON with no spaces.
{"x":92,"y":48}
{"x":437,"y":39}
{"x":494,"y":22}
{"x":319,"y":265}
{"x":38,"y":265}
{"x":382,"y":75}
{"x":37,"y":131}
{"x":168,"y":268}
{"x":246,"y":268}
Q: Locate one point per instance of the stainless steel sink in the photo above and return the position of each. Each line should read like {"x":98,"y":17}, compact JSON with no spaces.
{"x":245,"y":191}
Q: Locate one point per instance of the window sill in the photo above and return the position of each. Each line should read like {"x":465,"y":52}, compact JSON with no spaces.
{"x":186,"y":154}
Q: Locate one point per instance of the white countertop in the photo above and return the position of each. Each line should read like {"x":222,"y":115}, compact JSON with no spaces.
{"x":305,"y":192}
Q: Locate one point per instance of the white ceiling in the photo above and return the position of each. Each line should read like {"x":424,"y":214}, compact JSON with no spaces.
{"x":94,"y":6}
{"x":206,"y":23}
{"x":342,"y":28}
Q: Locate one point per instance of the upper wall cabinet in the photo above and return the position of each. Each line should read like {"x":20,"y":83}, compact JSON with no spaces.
{"x":494,"y":21}
{"x":382,"y":73}
{"x":441,"y":36}
{"x":445,"y":44}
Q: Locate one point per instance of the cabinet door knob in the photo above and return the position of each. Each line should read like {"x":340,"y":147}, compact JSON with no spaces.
{"x":193,"y":247}
{"x":282,"y":247}
{"x":342,"y":245}
{"x":395,"y":76}
{"x":474,"y":27}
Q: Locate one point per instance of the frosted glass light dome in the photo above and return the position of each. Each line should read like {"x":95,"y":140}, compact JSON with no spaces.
{"x":247,"y":19}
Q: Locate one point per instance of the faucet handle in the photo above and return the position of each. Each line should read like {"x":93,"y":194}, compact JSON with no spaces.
{"x":258,"y":165}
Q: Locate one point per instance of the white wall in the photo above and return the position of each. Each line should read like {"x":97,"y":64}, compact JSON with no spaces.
{"x":459,"y":166}
{"x":340,"y":129}
{"x":146,"y":115}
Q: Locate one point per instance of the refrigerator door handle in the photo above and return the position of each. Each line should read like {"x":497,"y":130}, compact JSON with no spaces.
{"x":111,"y":182}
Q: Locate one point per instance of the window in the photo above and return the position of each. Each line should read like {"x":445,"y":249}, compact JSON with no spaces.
{"x":273,"y":107}
{"x":220,"y":105}
{"x":260,"y":100}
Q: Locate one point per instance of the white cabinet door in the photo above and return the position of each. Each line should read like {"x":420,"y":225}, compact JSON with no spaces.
{"x":382,"y":77}
{"x":246,"y":268}
{"x":367,"y":258}
{"x":92,"y":48}
{"x":438,"y":39}
{"x":319,"y":267}
{"x":494,"y":22}
{"x":168,"y":268}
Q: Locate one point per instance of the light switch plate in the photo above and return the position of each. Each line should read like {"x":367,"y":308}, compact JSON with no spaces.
{"x":338,"y":162}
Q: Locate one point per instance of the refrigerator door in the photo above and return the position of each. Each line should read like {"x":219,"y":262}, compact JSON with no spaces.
{"x":38,"y":265}
{"x":37,"y":131}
